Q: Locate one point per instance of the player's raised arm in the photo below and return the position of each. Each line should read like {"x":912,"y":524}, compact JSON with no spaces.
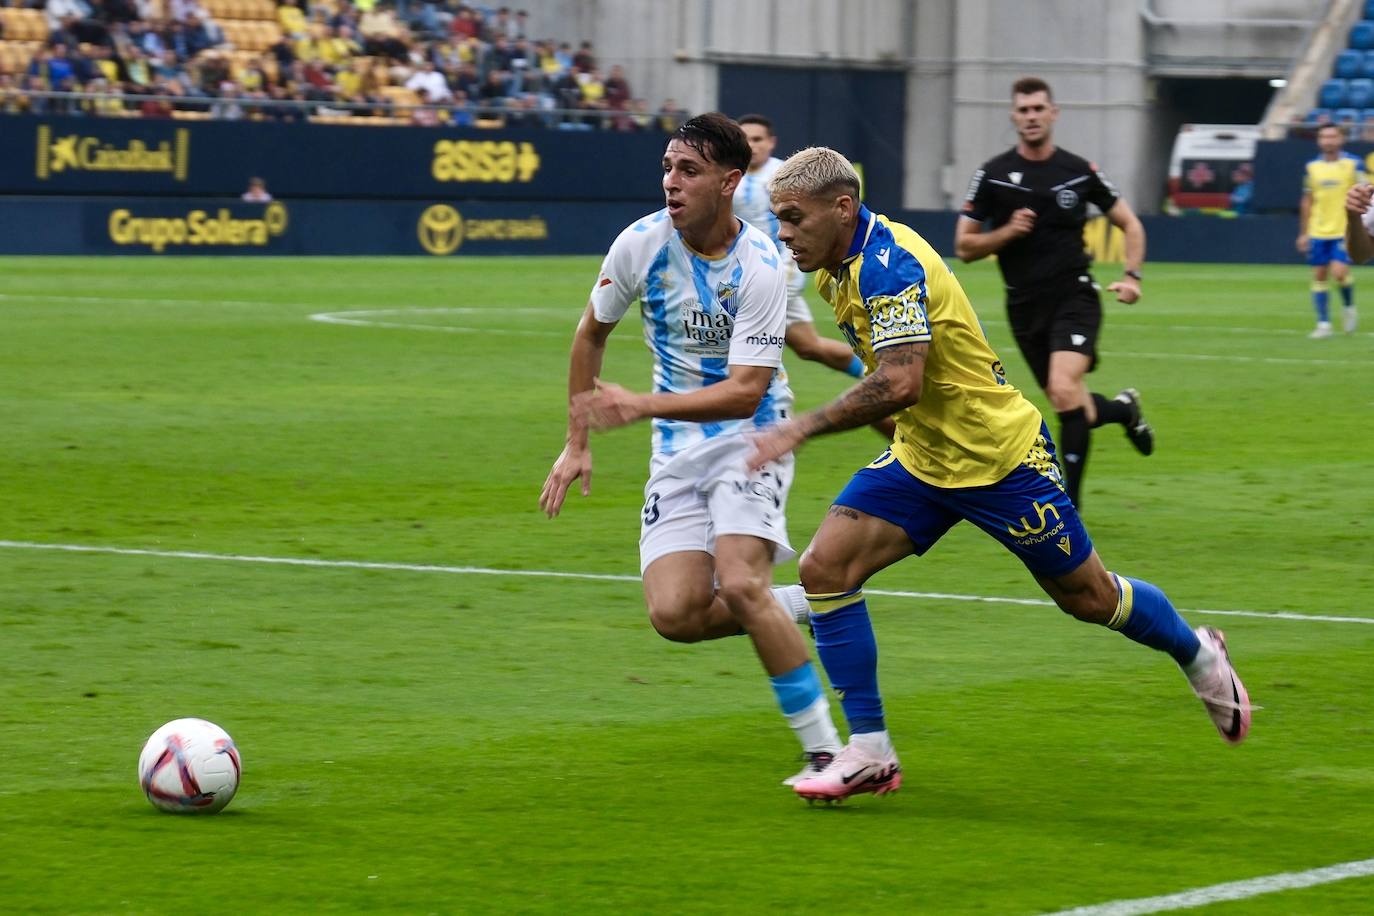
{"x":575,"y":461}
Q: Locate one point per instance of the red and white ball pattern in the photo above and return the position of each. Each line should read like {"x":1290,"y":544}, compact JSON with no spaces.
{"x":189,"y":766}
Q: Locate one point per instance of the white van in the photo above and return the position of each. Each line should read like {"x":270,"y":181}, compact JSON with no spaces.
{"x":1208,"y":163}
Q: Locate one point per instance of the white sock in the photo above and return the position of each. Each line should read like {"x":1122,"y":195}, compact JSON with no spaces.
{"x":793,"y":601}
{"x":874,"y":744}
{"x":814,"y":727}
{"x":1202,"y":664}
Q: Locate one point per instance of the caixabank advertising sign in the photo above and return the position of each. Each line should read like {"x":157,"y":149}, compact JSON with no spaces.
{"x":141,"y":156}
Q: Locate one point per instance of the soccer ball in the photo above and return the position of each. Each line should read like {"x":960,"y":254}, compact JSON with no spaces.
{"x":189,"y":766}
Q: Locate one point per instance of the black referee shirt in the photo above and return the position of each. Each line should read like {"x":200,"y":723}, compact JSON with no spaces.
{"x":1059,"y":190}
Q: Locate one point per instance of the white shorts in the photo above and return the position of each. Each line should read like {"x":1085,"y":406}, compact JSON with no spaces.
{"x":797,"y":309}
{"x":706,"y":492}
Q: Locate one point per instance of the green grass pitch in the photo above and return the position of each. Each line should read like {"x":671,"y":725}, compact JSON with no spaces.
{"x":439,"y":741}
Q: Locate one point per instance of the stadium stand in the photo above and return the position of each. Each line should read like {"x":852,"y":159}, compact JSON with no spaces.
{"x":1362,"y":35}
{"x":1359,"y":92}
{"x":328,"y":61}
{"x":1349,"y":64}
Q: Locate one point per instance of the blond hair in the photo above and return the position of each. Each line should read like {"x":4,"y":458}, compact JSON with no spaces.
{"x":815,"y":171}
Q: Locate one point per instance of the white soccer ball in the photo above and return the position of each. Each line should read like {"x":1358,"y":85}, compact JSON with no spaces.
{"x":189,"y":766}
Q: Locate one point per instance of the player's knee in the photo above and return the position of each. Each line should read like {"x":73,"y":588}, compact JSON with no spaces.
{"x":821,"y":574}
{"x":677,"y":620}
{"x":675,"y":625}
{"x":1064,"y":394}
{"x":743,"y":592}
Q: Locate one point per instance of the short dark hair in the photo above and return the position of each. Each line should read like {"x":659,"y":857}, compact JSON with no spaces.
{"x":1029,"y":85}
{"x":1332,"y":127}
{"x":761,"y":120}
{"x":717,"y":138}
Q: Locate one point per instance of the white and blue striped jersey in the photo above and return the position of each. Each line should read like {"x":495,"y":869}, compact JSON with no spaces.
{"x":752,"y":203}
{"x":701,"y":316}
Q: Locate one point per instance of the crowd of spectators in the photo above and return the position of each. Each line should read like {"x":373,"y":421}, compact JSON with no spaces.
{"x":428,"y":62}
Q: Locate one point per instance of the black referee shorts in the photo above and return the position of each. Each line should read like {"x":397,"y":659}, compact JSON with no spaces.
{"x":1062,"y":316}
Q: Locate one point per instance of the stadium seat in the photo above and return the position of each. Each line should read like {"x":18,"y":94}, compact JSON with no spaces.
{"x":1346,"y":116}
{"x":1362,"y":35}
{"x":1359,"y":93}
{"x":1369,"y":9}
{"x":1349,"y":64}
{"x":1317,"y":116}
{"x":1332,"y":94}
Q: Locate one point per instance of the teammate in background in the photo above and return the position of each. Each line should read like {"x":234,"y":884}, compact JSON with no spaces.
{"x":752,"y":205}
{"x":712,"y":296}
{"x":1359,"y":223}
{"x":1322,"y":226}
{"x":1034,"y":198}
{"x":968,"y":446}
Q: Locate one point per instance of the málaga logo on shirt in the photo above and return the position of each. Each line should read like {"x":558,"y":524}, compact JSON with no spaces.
{"x":706,"y":333}
{"x":725,"y":295}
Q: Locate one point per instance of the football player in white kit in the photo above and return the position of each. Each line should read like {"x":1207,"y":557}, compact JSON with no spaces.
{"x":752,"y":204}
{"x":712,"y":297}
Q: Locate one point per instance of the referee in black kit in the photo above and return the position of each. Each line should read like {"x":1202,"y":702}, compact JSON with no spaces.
{"x":1028,"y":206}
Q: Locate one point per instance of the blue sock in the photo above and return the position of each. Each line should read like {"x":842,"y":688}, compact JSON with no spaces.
{"x":856,"y":367}
{"x":1145,"y":615}
{"x":845,"y":643}
{"x":1319,"y":298}
{"x":797,"y":689}
{"x":1348,"y":293}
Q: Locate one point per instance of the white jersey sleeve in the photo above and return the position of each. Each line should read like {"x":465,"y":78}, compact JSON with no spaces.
{"x":761,"y":322}
{"x":619,"y":283}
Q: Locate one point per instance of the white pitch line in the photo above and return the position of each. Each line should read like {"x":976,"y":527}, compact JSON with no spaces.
{"x":355,"y":317}
{"x":339,"y":317}
{"x":1232,"y":890}
{"x":597,"y":577}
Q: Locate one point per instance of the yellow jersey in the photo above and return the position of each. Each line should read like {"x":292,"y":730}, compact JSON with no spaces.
{"x":971,"y":426}
{"x":1328,"y":181}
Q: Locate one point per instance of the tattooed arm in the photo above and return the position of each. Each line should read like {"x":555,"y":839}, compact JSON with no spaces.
{"x":895,"y":385}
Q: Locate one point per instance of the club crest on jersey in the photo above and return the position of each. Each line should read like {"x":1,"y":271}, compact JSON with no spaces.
{"x":1067,"y":198}
{"x":725,"y":295}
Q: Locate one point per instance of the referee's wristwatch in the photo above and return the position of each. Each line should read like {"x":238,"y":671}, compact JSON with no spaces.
{"x":1133,"y":274}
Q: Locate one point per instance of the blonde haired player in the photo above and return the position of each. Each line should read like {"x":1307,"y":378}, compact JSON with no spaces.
{"x":969,"y":447}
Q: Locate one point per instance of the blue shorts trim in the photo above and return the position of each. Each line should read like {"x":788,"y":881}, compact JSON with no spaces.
{"x":1321,"y":252}
{"x":1027,"y":511}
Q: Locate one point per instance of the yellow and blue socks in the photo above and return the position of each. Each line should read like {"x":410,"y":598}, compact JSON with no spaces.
{"x":806,"y":708}
{"x":849,"y":652}
{"x":1144,"y":614}
{"x":1320,"y":297}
